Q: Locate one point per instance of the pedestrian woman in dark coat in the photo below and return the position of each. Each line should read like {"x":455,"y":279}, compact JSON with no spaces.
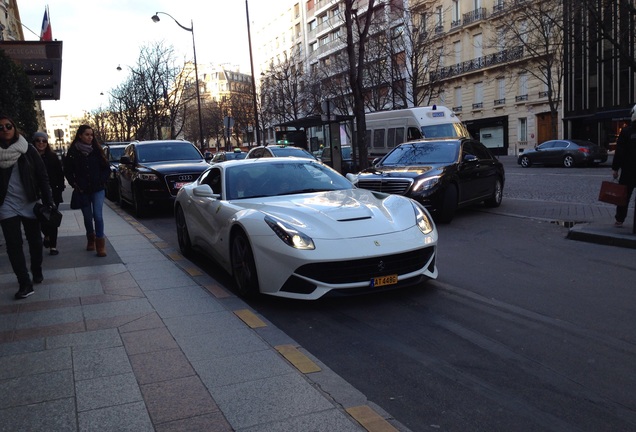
{"x":87,"y":170}
{"x":624,"y":165}
{"x":23,"y":181}
{"x":56,"y":180}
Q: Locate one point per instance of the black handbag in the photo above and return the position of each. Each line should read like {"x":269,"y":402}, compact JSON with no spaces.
{"x":78,"y":200}
{"x":48,"y":216}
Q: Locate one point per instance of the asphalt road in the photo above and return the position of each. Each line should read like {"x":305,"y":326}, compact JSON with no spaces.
{"x":524,"y":330}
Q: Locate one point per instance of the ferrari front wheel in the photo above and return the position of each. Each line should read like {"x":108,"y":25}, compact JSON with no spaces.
{"x":244,"y":267}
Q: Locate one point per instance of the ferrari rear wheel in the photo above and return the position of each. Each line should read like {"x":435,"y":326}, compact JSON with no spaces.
{"x":183,"y":236}
{"x":244,"y":267}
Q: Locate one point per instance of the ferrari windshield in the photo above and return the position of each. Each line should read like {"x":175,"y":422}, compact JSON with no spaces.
{"x":421,"y":153}
{"x":281,"y":178}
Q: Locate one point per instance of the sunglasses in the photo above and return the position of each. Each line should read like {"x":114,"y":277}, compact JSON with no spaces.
{"x":7,"y":126}
{"x":40,"y":140}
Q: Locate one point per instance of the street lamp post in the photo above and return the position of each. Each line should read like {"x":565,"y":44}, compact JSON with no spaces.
{"x":155,"y":18}
{"x":249,"y":40}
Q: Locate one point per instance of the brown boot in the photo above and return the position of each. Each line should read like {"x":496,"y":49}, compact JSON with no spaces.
{"x":100,"y":243}
{"x":90,"y":242}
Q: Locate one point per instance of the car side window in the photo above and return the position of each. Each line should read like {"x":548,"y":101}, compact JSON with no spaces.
{"x":256,"y":153}
{"x":481,"y":151}
{"x":467,"y":149}
{"x":561,"y":144}
{"x":546,"y":145}
{"x":213,"y":179}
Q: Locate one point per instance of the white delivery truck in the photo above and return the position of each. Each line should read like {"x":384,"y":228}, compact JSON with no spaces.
{"x":387,"y":129}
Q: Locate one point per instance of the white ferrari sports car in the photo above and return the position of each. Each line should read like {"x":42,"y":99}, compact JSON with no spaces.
{"x":296,"y":228}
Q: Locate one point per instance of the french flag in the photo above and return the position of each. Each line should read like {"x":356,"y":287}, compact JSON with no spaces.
{"x":46,"y":34}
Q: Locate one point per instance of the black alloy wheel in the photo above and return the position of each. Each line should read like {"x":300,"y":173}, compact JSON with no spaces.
{"x":244,"y":267}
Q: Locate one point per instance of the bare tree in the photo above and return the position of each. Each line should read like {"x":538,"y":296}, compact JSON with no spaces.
{"x":416,"y":54}
{"x":357,"y":24}
{"x":537,"y":29}
{"x":281,"y":93}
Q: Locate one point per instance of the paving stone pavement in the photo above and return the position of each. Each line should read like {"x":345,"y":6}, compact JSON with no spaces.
{"x":142,"y":340}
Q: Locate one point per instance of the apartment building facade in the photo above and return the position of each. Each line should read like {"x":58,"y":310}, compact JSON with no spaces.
{"x":485,"y":82}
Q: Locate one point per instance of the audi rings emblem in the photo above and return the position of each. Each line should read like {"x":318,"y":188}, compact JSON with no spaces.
{"x":185,"y":178}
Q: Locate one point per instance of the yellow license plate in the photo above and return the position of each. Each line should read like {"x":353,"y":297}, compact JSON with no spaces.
{"x":384,"y":280}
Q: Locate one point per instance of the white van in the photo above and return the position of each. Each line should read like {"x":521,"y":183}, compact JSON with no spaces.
{"x":387,"y":129}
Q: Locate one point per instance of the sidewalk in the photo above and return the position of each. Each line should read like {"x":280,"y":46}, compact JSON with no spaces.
{"x":592,"y":223}
{"x":142,"y":340}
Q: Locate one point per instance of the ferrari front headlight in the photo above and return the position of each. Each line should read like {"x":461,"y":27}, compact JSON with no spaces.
{"x":422,"y":220}
{"x":290,"y":235}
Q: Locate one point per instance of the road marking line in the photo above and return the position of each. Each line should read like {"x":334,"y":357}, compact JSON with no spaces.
{"x":298,"y":359}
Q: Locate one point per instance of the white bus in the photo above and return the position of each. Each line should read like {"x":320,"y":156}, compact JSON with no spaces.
{"x":387,"y":129}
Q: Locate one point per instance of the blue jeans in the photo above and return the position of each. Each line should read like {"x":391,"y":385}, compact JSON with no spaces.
{"x":94,"y":212}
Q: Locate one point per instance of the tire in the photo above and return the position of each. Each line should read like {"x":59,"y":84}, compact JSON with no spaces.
{"x":497,"y":195}
{"x":568,"y":161}
{"x":244,"y":267}
{"x":449,"y":205}
{"x":183,"y":236}
{"x":525,"y":162}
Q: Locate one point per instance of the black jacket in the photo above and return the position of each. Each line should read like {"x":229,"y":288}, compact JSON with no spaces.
{"x":35,"y":179}
{"x":89,"y":172}
{"x":56,"y":175}
{"x":625,"y":156}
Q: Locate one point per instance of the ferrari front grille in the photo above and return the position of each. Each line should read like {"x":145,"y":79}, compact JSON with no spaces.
{"x":351,"y":271}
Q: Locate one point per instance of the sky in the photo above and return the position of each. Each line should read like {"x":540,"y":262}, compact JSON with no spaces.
{"x":99,"y":35}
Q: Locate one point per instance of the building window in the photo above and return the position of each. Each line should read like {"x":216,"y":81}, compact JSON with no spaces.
{"x":478,"y":101}
{"x":457,"y":96}
{"x":501,"y":91}
{"x":523,"y":129}
{"x":523,"y":87}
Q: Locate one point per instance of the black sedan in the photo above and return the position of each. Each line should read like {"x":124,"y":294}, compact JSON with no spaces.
{"x":443,"y":175}
{"x":568,"y":153}
{"x":152,"y":172}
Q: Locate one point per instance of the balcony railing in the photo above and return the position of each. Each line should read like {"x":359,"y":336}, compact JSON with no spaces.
{"x":478,"y":105}
{"x":521,"y":98}
{"x":499,"y":101}
{"x":501,"y":57}
{"x":476,"y":15}
{"x":457,"y":109}
{"x":456,"y":23}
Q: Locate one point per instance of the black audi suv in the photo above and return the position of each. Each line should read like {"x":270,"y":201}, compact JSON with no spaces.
{"x":152,"y":172}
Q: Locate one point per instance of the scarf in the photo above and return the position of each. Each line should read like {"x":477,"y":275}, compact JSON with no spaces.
{"x":10,"y":155}
{"x":84,"y":148}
